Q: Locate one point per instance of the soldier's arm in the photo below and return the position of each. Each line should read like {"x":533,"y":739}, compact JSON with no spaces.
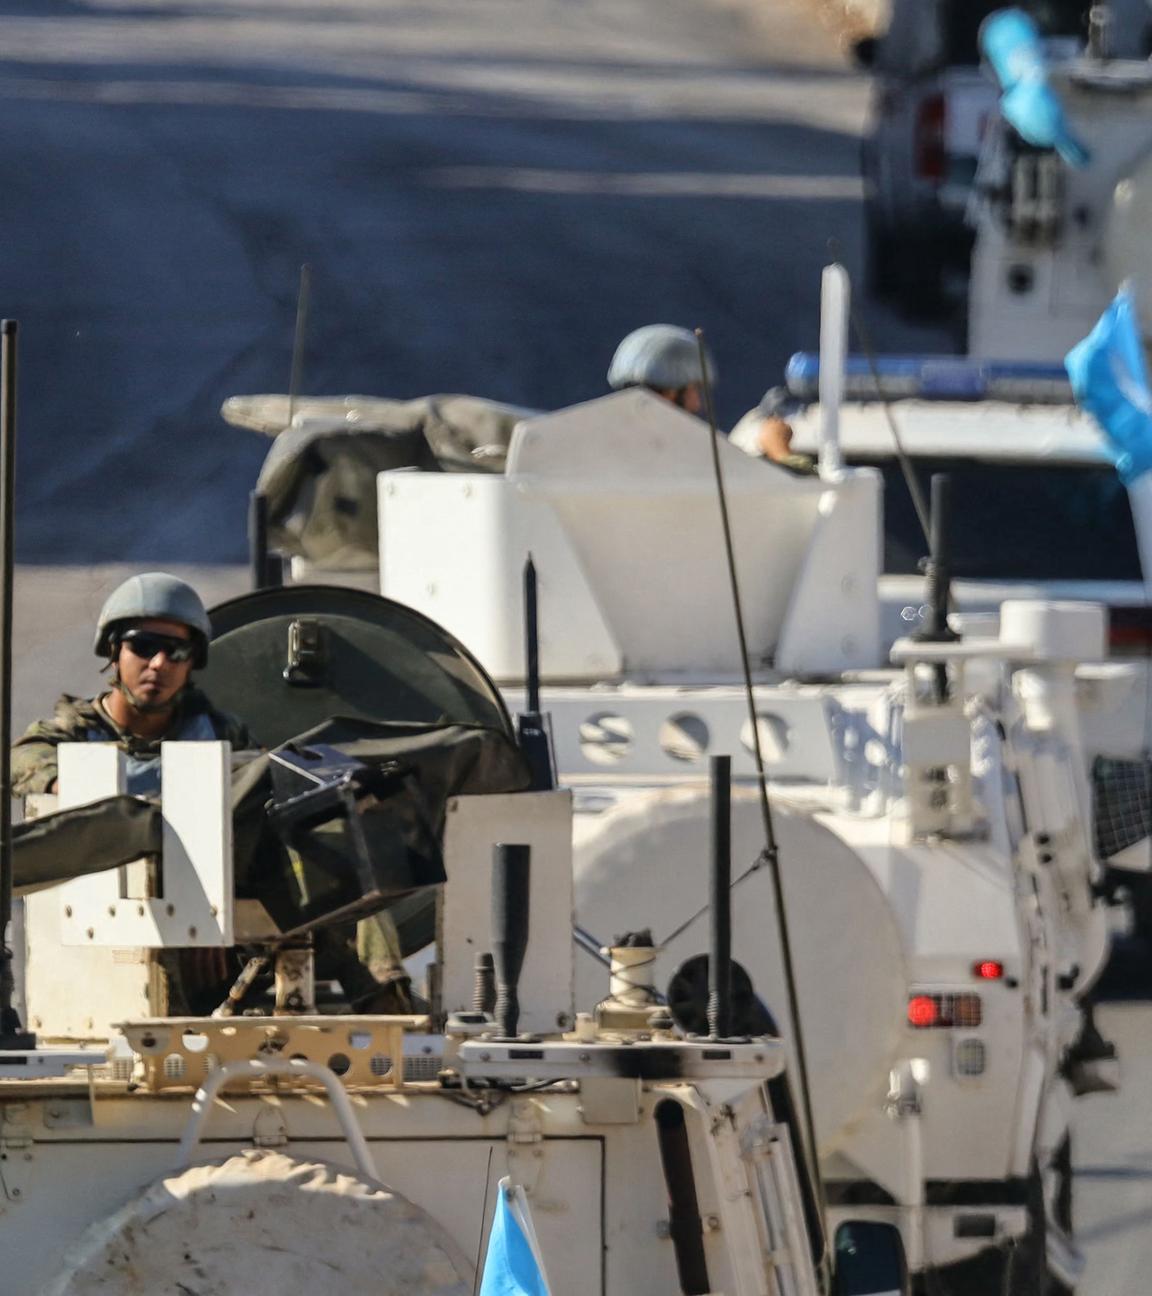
{"x":236,"y":732}
{"x":34,"y":759}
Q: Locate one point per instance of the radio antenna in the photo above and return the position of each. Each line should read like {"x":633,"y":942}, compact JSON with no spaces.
{"x":771,"y":852}
{"x":302,"y":301}
{"x":12,"y":1036}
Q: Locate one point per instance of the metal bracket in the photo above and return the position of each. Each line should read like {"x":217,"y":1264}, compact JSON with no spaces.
{"x":524,"y":1125}
{"x":307,"y":653}
{"x":69,"y":1113}
{"x":269,"y":1128}
{"x":180,"y":1052}
{"x":16,"y":1150}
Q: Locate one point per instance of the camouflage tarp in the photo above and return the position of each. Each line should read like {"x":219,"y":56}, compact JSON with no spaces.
{"x":320,"y":475}
{"x":87,"y":839}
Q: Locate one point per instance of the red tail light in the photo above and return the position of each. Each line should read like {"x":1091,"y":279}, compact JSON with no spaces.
{"x":988,"y":970}
{"x":931,"y":155}
{"x":1130,"y":631}
{"x":923,"y":1011}
{"x":945,"y":1011}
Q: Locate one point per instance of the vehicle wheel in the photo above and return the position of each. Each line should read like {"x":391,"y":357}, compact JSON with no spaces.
{"x":1140,"y":903}
{"x":1026,"y":1271}
{"x":881,"y":279}
{"x":918,"y":267}
{"x":1062,"y":1164}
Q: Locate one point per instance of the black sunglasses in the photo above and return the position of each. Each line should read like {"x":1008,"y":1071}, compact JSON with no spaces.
{"x":147,"y":643}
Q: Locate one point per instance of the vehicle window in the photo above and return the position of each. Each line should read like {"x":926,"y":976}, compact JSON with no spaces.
{"x":1060,"y":17}
{"x":1017,"y":521}
{"x":959,"y":28}
{"x":960,"y":24}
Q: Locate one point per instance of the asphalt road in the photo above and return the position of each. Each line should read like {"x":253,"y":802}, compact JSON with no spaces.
{"x":491,"y":193}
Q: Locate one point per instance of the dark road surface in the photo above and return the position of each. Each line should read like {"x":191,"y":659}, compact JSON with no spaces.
{"x":490,"y":192}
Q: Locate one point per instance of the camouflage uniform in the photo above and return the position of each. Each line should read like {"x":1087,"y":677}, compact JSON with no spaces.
{"x":34,"y":762}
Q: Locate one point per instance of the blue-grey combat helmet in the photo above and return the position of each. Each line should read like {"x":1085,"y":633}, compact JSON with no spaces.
{"x":663,"y":356}
{"x":159,"y":595}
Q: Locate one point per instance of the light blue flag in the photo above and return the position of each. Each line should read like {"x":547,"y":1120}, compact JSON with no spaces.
{"x":1110,"y":380}
{"x":1011,"y":44}
{"x":513,"y":1265}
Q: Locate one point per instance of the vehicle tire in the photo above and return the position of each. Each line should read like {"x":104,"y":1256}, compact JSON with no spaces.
{"x":1026,"y":1265}
{"x":918,"y":266}
{"x":1140,"y":904}
{"x":881,"y":279}
{"x":1062,"y":1164}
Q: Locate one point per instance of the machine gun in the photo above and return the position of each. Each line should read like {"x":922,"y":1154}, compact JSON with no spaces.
{"x":375,"y":719}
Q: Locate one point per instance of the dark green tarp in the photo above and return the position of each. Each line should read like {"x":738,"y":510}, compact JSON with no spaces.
{"x":88,"y":839}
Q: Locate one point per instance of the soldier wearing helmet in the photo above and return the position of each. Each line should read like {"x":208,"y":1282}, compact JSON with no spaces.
{"x":153,"y":632}
{"x":666,"y":360}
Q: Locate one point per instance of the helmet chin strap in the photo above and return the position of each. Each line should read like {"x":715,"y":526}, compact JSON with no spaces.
{"x":145,"y":708}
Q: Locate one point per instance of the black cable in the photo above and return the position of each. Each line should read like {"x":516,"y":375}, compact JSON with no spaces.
{"x":914,"y":489}
{"x":770,"y":854}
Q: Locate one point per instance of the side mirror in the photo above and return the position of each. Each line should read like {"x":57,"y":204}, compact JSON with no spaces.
{"x":870,"y":1260}
{"x":864,"y":52}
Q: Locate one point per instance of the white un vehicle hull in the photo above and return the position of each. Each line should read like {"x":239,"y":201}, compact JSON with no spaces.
{"x":938,"y":871}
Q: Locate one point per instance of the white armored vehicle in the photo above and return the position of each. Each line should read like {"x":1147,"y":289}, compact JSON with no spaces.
{"x":931,"y":820}
{"x":278,"y":1143}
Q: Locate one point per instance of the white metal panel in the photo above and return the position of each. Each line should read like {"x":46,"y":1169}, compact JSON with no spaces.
{"x":195,"y":908}
{"x":66,"y":1187}
{"x":73,"y":992}
{"x":627,"y":432}
{"x":664,"y":733}
{"x":833,"y":617}
{"x":631,"y":479}
{"x":543,"y":821}
{"x":454,"y":545}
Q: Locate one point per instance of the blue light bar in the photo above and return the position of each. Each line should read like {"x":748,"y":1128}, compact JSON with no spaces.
{"x":935,"y":378}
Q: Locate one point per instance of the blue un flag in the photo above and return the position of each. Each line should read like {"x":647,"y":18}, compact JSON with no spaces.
{"x":1110,"y":380}
{"x":1011,"y":44}
{"x":513,"y":1265}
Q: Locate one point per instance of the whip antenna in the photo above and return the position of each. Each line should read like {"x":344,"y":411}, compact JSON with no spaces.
{"x":11,"y":1034}
{"x":915,"y":490}
{"x":771,"y":854}
{"x":302,"y":301}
